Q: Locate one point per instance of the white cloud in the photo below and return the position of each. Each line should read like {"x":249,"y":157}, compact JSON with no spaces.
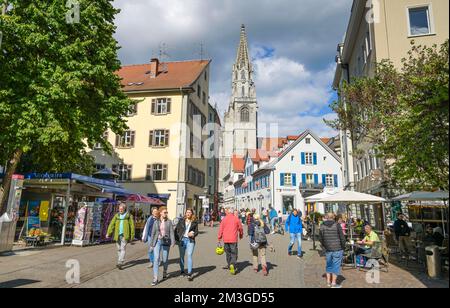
{"x":295,"y":78}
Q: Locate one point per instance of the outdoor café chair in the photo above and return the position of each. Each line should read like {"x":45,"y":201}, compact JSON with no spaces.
{"x":379,"y":253}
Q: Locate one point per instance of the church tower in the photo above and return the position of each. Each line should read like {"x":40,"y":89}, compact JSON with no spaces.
{"x":242,"y":116}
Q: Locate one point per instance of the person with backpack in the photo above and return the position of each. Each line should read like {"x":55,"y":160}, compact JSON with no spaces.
{"x":162,"y":239}
{"x":294,"y":225}
{"x":122,"y":225}
{"x":146,"y":234}
{"x":230,"y":232}
{"x":333,"y":241}
{"x":259,"y":243}
{"x":186,"y":232}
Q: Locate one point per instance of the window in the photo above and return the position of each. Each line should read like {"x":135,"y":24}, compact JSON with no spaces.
{"x":156,"y":172}
{"x":288,"y":179}
{"x":132,"y":111}
{"x":243,"y":75}
{"x":161,"y":106}
{"x":206,"y":76}
{"x":159,"y":138}
{"x":245,"y":115}
{"x":309,"y":179}
{"x":329,"y":180}
{"x":243,"y":91}
{"x":124,"y":172}
{"x":309,"y":158}
{"x":99,"y":167}
{"x":126,"y":141}
{"x":204,"y":98}
{"x":98,"y":146}
{"x":419,"y":21}
{"x":308,"y":140}
{"x":199,"y":91}
{"x":210,"y":171}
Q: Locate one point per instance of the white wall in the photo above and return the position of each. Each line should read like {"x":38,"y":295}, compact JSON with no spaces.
{"x":291,"y":163}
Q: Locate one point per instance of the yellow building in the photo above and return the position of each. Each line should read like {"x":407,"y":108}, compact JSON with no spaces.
{"x":159,"y":155}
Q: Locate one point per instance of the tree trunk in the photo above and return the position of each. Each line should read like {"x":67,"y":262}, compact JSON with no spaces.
{"x":10,"y":170}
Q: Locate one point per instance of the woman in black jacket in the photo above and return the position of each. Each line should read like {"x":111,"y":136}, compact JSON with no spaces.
{"x":185,"y":234}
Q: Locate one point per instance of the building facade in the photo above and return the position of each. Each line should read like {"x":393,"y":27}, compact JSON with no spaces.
{"x":161,"y":153}
{"x":213,"y":131}
{"x":303,"y":167}
{"x":384,"y":31}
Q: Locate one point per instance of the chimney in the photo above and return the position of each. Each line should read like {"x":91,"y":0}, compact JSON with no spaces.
{"x":154,"y":67}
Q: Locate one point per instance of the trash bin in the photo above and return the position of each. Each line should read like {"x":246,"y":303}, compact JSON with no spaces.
{"x":6,"y":233}
{"x":433,"y":261}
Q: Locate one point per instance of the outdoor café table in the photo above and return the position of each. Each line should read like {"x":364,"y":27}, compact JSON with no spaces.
{"x":354,"y":248}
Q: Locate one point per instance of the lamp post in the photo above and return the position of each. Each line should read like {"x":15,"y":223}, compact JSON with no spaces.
{"x":260,"y":198}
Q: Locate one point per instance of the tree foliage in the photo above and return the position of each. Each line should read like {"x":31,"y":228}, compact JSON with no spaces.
{"x":58,"y":89}
{"x":404,"y":113}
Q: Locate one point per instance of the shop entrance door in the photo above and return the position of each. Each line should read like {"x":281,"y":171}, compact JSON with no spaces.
{"x":288,"y":204}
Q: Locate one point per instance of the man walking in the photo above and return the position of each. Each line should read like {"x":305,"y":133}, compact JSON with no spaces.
{"x":294,"y":226}
{"x":402,"y":234}
{"x":147,"y":234}
{"x":333,"y":242}
{"x":230,"y":232}
{"x":122,"y":225}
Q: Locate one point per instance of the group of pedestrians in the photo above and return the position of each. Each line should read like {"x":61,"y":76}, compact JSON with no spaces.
{"x":162,"y":234}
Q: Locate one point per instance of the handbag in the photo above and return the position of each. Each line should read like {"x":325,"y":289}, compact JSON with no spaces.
{"x":166,"y":241}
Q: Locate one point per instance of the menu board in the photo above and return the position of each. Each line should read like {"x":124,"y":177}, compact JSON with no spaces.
{"x":80,"y":223}
{"x":97,"y":217}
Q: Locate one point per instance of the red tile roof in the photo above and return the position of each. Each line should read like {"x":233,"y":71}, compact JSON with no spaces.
{"x":261,"y":155}
{"x":325,"y":140}
{"x":238,"y":164}
{"x":178,"y":75}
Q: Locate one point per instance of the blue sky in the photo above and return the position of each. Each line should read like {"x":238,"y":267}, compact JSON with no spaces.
{"x":292,"y":44}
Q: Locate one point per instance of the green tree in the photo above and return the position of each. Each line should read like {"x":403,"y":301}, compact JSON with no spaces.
{"x":58,"y":89}
{"x":405,"y":114}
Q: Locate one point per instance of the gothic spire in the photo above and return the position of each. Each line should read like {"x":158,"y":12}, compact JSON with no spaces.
{"x":242,"y":59}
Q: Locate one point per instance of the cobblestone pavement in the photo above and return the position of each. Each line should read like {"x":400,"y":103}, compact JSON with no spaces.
{"x":47,"y":268}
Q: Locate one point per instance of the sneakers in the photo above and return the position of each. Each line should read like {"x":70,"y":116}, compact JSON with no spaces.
{"x":255,"y":270}
{"x":232,"y":270}
{"x":190,"y":277}
{"x":165,"y":275}
{"x":328,"y":284}
{"x":336,"y":286}
{"x":154,"y":283}
{"x":300,"y":257}
{"x":150,"y":265}
{"x":265,"y":271}
{"x":119,"y":266}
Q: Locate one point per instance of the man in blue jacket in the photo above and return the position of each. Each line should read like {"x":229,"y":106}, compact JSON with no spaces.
{"x":146,"y":234}
{"x":294,"y":225}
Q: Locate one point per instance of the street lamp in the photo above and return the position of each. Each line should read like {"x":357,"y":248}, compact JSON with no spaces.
{"x":260,"y":198}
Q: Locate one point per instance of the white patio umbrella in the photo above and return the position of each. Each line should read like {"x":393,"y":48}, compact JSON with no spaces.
{"x":350,"y":197}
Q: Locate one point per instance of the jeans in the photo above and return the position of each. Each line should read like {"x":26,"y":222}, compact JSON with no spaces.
{"x":231,"y":251}
{"x":334,"y":262}
{"x":151,"y":254}
{"x":157,"y":255}
{"x":121,"y":250}
{"x":272,"y":222}
{"x":186,"y":246}
{"x":298,"y":237}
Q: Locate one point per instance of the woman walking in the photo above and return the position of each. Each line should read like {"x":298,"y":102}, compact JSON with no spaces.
{"x":162,"y":239}
{"x":186,"y":232}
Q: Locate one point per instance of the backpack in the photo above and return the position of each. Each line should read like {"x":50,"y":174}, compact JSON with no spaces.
{"x":260,"y":235}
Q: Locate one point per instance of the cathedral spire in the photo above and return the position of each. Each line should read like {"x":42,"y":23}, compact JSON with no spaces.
{"x":243,"y":59}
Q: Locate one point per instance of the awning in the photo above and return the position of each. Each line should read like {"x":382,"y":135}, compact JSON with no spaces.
{"x":110,"y":189}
